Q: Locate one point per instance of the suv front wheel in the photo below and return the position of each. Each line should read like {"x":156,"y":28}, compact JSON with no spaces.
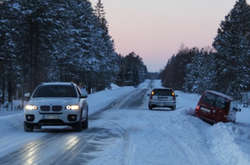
{"x":28,"y":127}
{"x":78,"y":126}
{"x":85,"y":124}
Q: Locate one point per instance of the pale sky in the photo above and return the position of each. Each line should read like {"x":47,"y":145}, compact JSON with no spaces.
{"x":155,"y":29}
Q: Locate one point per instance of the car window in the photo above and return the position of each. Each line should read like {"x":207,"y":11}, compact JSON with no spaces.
{"x":163,"y":92}
{"x":221,"y":103}
{"x":55,"y":91}
{"x":215,"y":101}
{"x":208,"y":99}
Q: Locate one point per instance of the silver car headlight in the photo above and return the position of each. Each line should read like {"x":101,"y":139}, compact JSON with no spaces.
{"x":73,"y":107}
{"x":30,"y":107}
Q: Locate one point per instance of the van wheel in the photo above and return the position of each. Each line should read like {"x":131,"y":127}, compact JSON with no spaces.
{"x":174,"y":108}
{"x":28,"y":127}
{"x":78,"y":126}
{"x":150,"y":107}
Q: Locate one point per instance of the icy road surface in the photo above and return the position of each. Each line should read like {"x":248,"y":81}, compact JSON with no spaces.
{"x":123,"y":131}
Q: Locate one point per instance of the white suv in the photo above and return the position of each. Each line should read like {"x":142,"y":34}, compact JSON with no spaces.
{"x":56,"y":103}
{"x":162,"y":97}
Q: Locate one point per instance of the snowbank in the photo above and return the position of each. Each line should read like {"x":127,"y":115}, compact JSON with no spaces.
{"x":100,"y":100}
{"x":114,"y":86}
{"x":224,"y":147}
{"x":244,"y":115}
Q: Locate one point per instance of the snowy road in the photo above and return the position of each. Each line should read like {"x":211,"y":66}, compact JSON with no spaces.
{"x":63,"y":146}
{"x":125,"y":132}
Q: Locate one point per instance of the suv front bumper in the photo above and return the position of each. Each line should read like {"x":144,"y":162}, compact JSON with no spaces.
{"x":66,"y":117}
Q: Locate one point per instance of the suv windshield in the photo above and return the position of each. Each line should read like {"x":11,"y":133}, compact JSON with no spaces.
{"x":55,"y":91}
{"x":163,"y":92}
{"x":214,"y":100}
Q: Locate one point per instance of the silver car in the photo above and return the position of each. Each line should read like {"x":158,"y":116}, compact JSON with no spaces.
{"x":162,"y":97}
{"x":56,"y":103}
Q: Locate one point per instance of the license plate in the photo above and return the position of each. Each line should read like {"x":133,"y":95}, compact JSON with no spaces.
{"x":51,"y":116}
{"x":163,"y":98}
{"x":205,"y":110}
{"x":161,"y":104}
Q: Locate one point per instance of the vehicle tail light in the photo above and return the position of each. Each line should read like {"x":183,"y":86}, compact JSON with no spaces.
{"x":197,"y":108}
{"x":173,"y":94}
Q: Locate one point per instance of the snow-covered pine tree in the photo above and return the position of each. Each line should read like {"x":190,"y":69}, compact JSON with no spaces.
{"x":193,"y":73}
{"x":53,"y":40}
{"x":201,"y":72}
{"x":132,"y":70}
{"x":9,"y":23}
{"x":36,"y":42}
{"x":105,"y":47}
{"x":175,"y":71}
{"x":100,"y":13}
{"x":232,"y":45}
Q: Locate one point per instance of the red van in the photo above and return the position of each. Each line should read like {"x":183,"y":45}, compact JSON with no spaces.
{"x":216,"y":107}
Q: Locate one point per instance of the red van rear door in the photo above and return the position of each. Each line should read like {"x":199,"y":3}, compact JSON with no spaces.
{"x":207,"y":109}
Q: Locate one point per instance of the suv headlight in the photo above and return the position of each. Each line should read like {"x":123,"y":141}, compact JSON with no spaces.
{"x":73,"y":107}
{"x":30,"y":107}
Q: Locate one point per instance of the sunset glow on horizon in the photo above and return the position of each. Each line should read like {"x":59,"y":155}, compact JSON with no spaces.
{"x":156,"y":31}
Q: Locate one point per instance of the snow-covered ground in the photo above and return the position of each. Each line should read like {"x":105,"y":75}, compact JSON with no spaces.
{"x":167,"y":137}
{"x":13,"y":108}
{"x":244,"y":115}
{"x":128,"y":135}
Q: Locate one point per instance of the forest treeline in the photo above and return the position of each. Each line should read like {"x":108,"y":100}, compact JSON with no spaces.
{"x":225,"y":67}
{"x":59,"y":40}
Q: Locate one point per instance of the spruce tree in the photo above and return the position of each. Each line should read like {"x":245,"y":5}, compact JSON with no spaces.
{"x":232,"y":46}
{"x":201,"y":72}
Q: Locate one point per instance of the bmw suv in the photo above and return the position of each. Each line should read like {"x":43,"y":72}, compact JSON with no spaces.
{"x":162,"y":97}
{"x":56,"y":103}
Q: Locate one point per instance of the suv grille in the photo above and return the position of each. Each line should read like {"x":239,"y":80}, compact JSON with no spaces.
{"x":45,"y":108}
{"x":57,"y":108}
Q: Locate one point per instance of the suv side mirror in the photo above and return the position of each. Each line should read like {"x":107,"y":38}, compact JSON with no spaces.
{"x":27,"y":96}
{"x":176,"y":95}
